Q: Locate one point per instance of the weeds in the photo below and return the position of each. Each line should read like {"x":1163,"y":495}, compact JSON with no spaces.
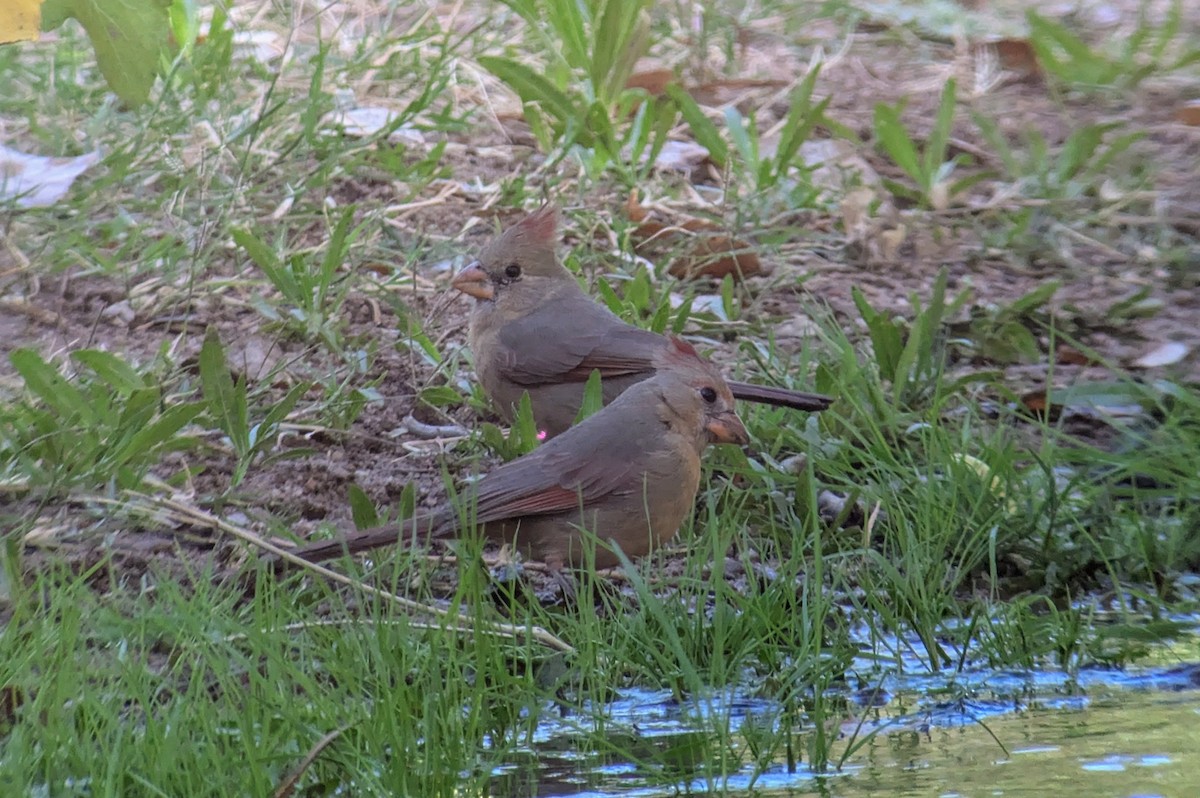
{"x":105,"y":427}
{"x":314,"y":294}
{"x":229,"y":405}
{"x":1143,"y":53}
{"x":928,"y":167}
{"x":600,"y":41}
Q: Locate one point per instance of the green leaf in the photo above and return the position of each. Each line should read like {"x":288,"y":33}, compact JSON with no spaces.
{"x":801,"y":120}
{"x":362,"y":509}
{"x":1081,"y":64}
{"x":609,"y":297}
{"x":336,"y":252}
{"x":744,"y":137}
{"x":886,"y":340}
{"x":425,"y":345}
{"x":593,"y":397}
{"x":44,"y":382}
{"x":523,"y":436}
{"x":440,"y":396}
{"x":703,"y":130}
{"x":1078,"y":149}
{"x":110,"y":368}
{"x":257,"y":249}
{"x":682,"y":315}
{"x":280,"y":409}
{"x":728,"y":300}
{"x":226,"y":401}
{"x":609,"y":35}
{"x":160,"y":432}
{"x":895,"y":140}
{"x":532,"y":87}
{"x":1118,"y":146}
{"x":129,"y":36}
{"x":662,"y":316}
{"x":939,"y":137}
{"x":998,"y":144}
{"x":1033,"y":300}
{"x":637,"y":290}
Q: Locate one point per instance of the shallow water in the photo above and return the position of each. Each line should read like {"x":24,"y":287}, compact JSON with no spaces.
{"x":1100,"y":732}
{"x":1114,"y":741}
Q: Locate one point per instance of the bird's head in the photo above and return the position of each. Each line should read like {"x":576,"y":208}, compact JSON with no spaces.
{"x":696,"y":397}
{"x":520,"y":266}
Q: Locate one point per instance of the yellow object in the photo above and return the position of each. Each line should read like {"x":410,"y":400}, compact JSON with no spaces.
{"x":995,"y":486}
{"x":20,"y":20}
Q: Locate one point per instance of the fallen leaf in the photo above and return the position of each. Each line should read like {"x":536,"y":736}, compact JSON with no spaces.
{"x":680,"y":156}
{"x":654,"y":81}
{"x":368,"y":120}
{"x":855,"y":209}
{"x":1016,"y":55}
{"x":1070,"y":356}
{"x":634,"y":209}
{"x":1038,"y":403}
{"x":19,"y":20}
{"x":984,"y":471}
{"x":257,"y":45}
{"x":700,"y":248}
{"x":889,"y":243}
{"x":720,"y":92}
{"x":1165,"y":354}
{"x":1102,"y":401}
{"x":874,"y":238}
{"x":35,"y":181}
{"x":1189,"y":113}
{"x":710,"y":304}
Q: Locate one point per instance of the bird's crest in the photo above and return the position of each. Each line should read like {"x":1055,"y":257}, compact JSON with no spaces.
{"x":681,"y":350}
{"x":542,"y":224}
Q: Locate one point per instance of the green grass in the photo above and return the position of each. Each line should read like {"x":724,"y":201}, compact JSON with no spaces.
{"x":931,"y":513}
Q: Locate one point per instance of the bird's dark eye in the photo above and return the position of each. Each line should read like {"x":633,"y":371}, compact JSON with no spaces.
{"x":512,"y":271}
{"x":708,"y":394}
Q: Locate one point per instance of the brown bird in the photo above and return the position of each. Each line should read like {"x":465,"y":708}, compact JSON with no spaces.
{"x":628,"y":474}
{"x":533,"y":329}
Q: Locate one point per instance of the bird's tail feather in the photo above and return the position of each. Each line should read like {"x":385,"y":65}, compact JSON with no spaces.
{"x":779,"y":397}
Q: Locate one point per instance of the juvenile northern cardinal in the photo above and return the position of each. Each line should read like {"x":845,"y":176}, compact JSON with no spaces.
{"x":628,"y":474}
{"x":534,"y":330}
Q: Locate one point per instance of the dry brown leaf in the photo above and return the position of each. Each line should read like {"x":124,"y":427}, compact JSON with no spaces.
{"x":654,"y":81}
{"x":1017,"y":55}
{"x":1038,"y":403}
{"x":1070,"y":356}
{"x":1189,"y":113}
{"x":700,"y":248}
{"x":720,"y":92}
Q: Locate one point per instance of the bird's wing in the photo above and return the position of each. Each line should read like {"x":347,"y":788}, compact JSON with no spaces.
{"x":540,"y":348}
{"x":604,"y":456}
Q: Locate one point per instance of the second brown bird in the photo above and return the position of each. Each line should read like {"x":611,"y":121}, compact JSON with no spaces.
{"x":533,"y":329}
{"x":627,"y":474}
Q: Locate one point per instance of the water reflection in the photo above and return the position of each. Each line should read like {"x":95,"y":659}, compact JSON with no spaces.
{"x":1101,"y":732}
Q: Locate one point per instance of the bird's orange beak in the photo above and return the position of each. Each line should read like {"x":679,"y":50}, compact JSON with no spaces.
{"x":474,"y":281}
{"x":727,"y":428}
